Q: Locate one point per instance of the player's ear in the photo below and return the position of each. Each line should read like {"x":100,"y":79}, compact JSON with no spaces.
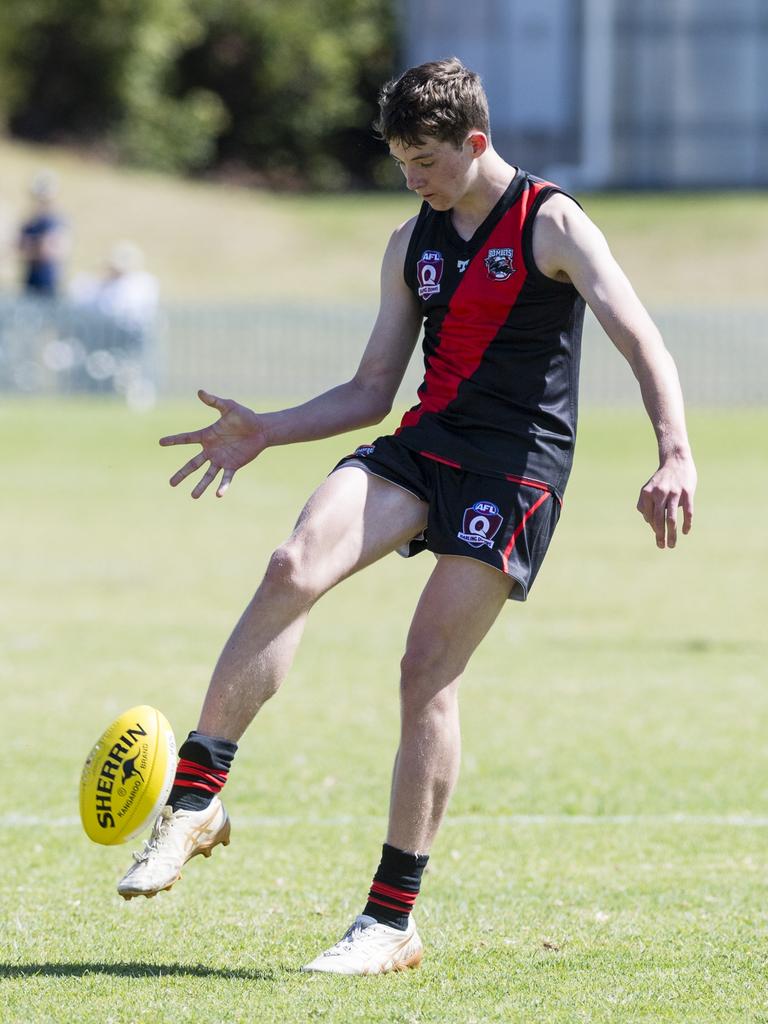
{"x":478,"y":143}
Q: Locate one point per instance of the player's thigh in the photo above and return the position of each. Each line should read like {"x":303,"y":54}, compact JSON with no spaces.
{"x":352,"y":520}
{"x":457,"y":607}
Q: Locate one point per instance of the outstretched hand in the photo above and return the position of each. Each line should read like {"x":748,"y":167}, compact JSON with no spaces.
{"x":232,"y":442}
{"x":670,"y":489}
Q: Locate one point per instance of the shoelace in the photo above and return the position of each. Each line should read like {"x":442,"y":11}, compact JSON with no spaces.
{"x":161,"y":827}
{"x":345,"y":944}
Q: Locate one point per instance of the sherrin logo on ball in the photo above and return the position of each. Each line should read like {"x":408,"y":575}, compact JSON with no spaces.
{"x":127,"y":776}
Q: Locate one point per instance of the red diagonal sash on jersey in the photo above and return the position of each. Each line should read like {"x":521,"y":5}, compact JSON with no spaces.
{"x":476,"y":311}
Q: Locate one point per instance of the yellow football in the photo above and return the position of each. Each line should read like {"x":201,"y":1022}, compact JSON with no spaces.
{"x":127,"y":776}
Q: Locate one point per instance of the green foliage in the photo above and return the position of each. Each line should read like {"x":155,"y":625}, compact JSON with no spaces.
{"x":172,"y":135}
{"x":61,"y":63}
{"x":284,"y":91}
{"x":299,"y":82}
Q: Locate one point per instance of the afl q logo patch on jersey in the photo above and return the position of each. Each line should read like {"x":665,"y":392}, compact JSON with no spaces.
{"x":429,"y":270}
{"x":498,"y":263}
{"x":481,"y":524}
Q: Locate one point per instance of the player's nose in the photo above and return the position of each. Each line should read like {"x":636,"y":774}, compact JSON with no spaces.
{"x":414,"y":180}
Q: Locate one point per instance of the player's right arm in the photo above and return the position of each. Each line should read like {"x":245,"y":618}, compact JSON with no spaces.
{"x":240,"y":434}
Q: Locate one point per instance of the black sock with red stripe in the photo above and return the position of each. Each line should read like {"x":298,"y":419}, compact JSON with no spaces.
{"x":204,"y":763}
{"x":395,"y":886}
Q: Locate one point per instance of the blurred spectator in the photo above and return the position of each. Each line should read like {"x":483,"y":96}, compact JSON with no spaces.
{"x":125,"y":293}
{"x":116,"y":314}
{"x":43,"y":239}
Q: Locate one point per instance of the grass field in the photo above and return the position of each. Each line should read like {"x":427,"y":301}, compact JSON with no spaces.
{"x":606,"y":852}
{"x":212,"y":242}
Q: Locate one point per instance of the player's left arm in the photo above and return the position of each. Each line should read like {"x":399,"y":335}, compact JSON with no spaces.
{"x":567,"y":246}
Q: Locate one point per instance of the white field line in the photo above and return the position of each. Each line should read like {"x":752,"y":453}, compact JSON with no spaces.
{"x":13,"y":820}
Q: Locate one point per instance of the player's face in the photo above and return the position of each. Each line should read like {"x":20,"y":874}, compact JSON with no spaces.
{"x":437,"y":171}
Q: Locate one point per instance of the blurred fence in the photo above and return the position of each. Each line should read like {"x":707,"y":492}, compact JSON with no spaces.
{"x":49,"y":347}
{"x":293,"y":351}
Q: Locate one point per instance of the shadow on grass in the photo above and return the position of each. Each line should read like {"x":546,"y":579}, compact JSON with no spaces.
{"x":136,"y":970}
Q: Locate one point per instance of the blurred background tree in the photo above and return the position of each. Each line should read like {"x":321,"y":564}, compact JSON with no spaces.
{"x":273,"y":92}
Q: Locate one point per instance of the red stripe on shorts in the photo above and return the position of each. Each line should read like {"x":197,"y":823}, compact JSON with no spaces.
{"x":524,"y":480}
{"x":519,"y":529}
{"x":439,"y":458}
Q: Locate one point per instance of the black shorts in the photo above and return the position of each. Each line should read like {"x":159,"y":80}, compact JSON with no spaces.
{"x":504,"y":522}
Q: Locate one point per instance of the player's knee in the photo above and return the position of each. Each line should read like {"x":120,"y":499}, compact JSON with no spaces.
{"x":424,"y":660}
{"x":426,"y":683}
{"x":287,"y":573}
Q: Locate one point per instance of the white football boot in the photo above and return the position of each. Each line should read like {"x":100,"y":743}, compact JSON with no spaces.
{"x":371,"y":948}
{"x":176,"y":837}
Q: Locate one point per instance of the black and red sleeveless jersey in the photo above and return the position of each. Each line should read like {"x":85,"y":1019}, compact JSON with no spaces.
{"x":501,"y":345}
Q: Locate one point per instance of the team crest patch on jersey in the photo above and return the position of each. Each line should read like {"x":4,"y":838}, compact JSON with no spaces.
{"x":429,"y":270}
{"x":481,"y":524}
{"x":498,"y":263}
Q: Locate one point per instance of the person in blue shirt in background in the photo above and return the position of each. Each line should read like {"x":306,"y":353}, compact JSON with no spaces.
{"x":43,"y":240}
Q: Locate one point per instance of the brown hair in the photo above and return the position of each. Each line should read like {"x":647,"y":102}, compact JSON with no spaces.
{"x":441,"y":98}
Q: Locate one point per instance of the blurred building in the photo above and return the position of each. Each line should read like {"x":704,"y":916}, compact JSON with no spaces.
{"x":614,"y":93}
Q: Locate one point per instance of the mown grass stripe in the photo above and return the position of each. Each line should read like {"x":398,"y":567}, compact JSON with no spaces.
{"x":461,"y":820}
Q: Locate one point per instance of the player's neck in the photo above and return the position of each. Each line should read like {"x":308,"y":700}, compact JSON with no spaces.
{"x":492,"y":180}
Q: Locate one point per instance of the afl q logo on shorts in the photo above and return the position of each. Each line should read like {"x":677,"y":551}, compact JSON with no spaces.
{"x":481,"y":524}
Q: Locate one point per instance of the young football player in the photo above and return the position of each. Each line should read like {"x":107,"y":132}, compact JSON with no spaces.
{"x":496,"y":267}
